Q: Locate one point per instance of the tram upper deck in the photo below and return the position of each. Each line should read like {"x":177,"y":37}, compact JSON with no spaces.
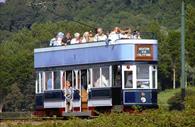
{"x":123,"y":50}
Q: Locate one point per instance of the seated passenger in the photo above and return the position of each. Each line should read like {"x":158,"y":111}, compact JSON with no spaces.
{"x":85,"y":37}
{"x":57,"y":41}
{"x":136,"y":35}
{"x":91,"y":38}
{"x":126,"y":33}
{"x":100,"y":36}
{"x":115,"y":34}
{"x":103,"y":82}
{"x":76,"y":39}
{"x":67,"y":39}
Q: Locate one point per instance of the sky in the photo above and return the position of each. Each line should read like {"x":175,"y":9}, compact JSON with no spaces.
{"x":2,"y":1}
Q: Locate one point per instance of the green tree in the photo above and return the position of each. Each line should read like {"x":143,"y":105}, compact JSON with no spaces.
{"x":16,"y":59}
{"x":173,"y":48}
{"x":190,"y":42}
{"x":14,"y":99}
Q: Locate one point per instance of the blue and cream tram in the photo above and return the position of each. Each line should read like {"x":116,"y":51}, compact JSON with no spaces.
{"x":102,"y":75}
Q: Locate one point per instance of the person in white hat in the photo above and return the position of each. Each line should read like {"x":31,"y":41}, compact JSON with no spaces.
{"x":76,"y":39}
{"x":57,"y":41}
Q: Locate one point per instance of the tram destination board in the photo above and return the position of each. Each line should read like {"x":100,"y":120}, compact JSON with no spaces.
{"x":143,"y":52}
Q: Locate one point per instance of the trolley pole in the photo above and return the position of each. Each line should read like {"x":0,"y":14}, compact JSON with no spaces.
{"x":183,"y":50}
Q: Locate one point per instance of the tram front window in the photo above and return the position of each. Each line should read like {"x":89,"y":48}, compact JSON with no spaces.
{"x":48,"y":80}
{"x":128,"y":79}
{"x":143,"y":76}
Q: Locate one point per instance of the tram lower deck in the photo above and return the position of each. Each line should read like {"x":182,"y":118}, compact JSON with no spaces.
{"x":97,"y":89}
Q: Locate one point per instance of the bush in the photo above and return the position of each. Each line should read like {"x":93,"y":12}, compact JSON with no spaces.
{"x":176,"y":102}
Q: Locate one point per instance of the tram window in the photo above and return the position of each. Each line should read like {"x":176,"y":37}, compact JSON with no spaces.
{"x":63,"y":79}
{"x":117,"y":76}
{"x":89,"y":78}
{"x":105,"y":77}
{"x":57,"y":80}
{"x":142,"y":71}
{"x":143,"y":84}
{"x":37,"y":83}
{"x":154,"y":71}
{"x":153,"y":79}
{"x":143,"y":76}
{"x":84,"y":79}
{"x":48,"y":80}
{"x":96,"y":77}
{"x":128,"y":79}
{"x":41,"y":83}
{"x":71,"y":77}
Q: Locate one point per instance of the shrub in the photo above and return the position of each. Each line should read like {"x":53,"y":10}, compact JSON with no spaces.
{"x":176,"y":102}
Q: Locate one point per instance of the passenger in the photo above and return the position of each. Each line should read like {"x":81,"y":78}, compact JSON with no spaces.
{"x":76,"y":39}
{"x":126,"y":33}
{"x":53,"y":41}
{"x":67,"y":39}
{"x":68,"y":96}
{"x":136,"y":35}
{"x":115,"y":34}
{"x":103,"y":82}
{"x":85,"y":37}
{"x":107,"y":33}
{"x":91,"y":38}
{"x":57,"y":41}
{"x":100,"y":36}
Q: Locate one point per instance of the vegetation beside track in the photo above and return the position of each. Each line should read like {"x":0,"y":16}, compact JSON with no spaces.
{"x":162,"y":117}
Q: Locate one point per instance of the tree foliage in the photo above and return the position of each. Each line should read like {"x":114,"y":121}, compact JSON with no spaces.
{"x":16,"y":60}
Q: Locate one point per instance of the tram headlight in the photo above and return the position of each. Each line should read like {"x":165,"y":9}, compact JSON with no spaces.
{"x":143,"y":99}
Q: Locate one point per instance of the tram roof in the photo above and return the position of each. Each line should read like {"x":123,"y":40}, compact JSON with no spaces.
{"x":97,"y":52}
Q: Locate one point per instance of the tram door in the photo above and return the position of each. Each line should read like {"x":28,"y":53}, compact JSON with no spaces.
{"x":128,"y":76}
{"x":82,"y":82}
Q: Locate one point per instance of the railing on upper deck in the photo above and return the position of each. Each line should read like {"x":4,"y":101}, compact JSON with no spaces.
{"x":148,"y":35}
{"x":143,"y":35}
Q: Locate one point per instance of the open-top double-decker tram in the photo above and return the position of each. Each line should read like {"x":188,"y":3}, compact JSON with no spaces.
{"x":103,"y":75}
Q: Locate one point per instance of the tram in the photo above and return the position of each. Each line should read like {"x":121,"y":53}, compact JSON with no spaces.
{"x":103,"y":75}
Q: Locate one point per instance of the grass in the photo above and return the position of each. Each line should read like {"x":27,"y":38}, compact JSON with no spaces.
{"x":164,"y":96}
